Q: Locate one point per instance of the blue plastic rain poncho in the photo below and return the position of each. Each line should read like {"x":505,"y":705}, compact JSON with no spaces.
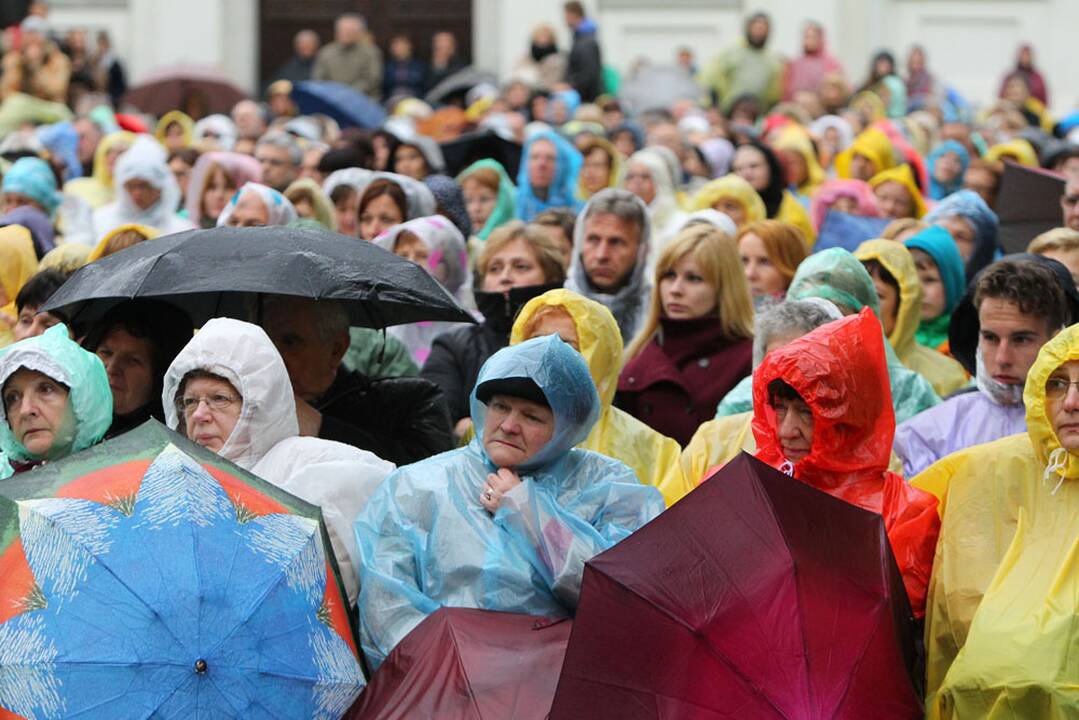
{"x":425,"y":540}
{"x":937,"y":243}
{"x":937,"y":189}
{"x":838,"y":276}
{"x":562,"y":193}
{"x":55,"y":354}
{"x":968,"y":205}
{"x":32,"y":177}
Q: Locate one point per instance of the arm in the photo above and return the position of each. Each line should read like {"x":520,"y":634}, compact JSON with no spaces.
{"x":558,"y":539}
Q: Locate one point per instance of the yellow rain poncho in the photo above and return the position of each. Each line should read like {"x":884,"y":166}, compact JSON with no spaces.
{"x":794,"y":213}
{"x":1017,"y":149}
{"x":173,"y":116}
{"x":795,"y":139}
{"x":18,"y":263}
{"x":731,"y":186}
{"x":902,"y":174}
{"x":99,"y":250}
{"x":617,"y":434}
{"x":66,"y":258}
{"x":97,"y":190}
{"x":872,"y":144}
{"x":1001,"y":635}
{"x":943,"y":373}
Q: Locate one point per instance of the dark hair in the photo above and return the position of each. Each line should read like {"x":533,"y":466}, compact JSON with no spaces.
{"x":357,"y":154}
{"x":1032,"y":288}
{"x":780,"y":390}
{"x":380,"y":187}
{"x":574,"y":7}
{"x":166,"y":327}
{"x":557,"y":217}
{"x":39,"y":288}
{"x":188,"y":154}
{"x":777,"y":180}
{"x":874,"y":267}
{"x":341,"y":193}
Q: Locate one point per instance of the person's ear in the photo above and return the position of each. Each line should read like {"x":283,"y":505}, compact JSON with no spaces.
{"x":340,"y":346}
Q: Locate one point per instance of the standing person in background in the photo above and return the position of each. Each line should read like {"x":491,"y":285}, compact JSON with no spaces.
{"x":403,"y":73}
{"x":36,"y":66}
{"x":352,"y":58}
{"x":301,"y":65}
{"x":805,"y":73}
{"x":444,"y":58}
{"x":1025,"y":70}
{"x":747,"y":68}
{"x":585,"y":69}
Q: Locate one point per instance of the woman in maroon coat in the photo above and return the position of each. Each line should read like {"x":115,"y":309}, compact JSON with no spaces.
{"x":697,"y":342}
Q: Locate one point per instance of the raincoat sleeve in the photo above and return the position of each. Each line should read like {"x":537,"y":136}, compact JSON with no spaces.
{"x":559,"y":534}
{"x":913,"y":526}
{"x":388,"y":543}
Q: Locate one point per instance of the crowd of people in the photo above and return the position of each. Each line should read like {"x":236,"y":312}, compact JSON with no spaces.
{"x":790,"y":264}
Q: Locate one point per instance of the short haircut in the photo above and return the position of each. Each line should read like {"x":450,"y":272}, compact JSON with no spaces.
{"x":574,"y":7}
{"x":557,"y":217}
{"x":623,"y":204}
{"x":1034,"y":289}
{"x":1060,"y":238}
{"x":789,"y":318}
{"x":546,"y":250}
{"x":780,"y":390}
{"x":284,"y":140}
{"x":39,"y":288}
{"x":188,"y":154}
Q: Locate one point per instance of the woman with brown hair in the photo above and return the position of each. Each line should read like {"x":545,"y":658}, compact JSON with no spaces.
{"x":697,"y":341}
{"x":771,"y":252}
{"x":215,"y":178}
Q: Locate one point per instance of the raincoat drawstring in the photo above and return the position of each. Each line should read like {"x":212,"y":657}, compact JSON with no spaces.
{"x":1058,"y":461}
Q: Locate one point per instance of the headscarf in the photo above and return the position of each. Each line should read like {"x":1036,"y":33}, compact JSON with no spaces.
{"x":506,"y":204}
{"x":320,"y":202}
{"x":37,"y":222}
{"x":793,"y":138}
{"x":447,"y":247}
{"x":18,"y":263}
{"x":871,"y":143}
{"x":145,"y":160}
{"x":969,"y":205}
{"x":98,"y":189}
{"x":239,"y":168}
{"x":902,"y":174}
{"x":666,"y":217}
{"x":32,"y":177}
{"x":179,"y":118}
{"x":432,"y":153}
{"x":220,"y":125}
{"x":937,"y":243}
{"x":616,"y":165}
{"x":833,"y":122}
{"x":99,"y":250}
{"x":55,"y":354}
{"x":562,"y":193}
{"x":419,"y":200}
{"x":937,"y":190}
{"x":830,"y":192}
{"x":450,"y":200}
{"x":732,"y":186}
{"x":66,"y":258}
{"x":279,"y":210}
{"x":356,"y":178}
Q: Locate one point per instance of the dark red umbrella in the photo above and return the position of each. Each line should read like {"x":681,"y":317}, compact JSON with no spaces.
{"x":1028,"y":204}
{"x":171,"y":88}
{"x":755,"y":596}
{"x":464,"y":664}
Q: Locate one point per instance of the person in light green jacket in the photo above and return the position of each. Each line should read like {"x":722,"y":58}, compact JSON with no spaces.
{"x":747,"y":68}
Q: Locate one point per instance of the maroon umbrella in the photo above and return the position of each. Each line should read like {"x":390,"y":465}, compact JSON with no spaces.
{"x":464,"y":664}
{"x":173,"y":87}
{"x":755,"y":596}
{"x":1028,"y":204}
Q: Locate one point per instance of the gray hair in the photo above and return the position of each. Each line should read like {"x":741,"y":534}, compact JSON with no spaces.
{"x":623,"y":204}
{"x":282,"y":140}
{"x":794,"y":317}
{"x":332,"y":319}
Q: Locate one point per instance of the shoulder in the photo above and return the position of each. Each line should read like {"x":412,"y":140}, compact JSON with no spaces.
{"x":981,"y":467}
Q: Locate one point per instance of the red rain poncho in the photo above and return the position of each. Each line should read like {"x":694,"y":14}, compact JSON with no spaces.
{"x":839,"y":370}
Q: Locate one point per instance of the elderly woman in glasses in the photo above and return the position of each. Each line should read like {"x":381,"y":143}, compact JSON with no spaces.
{"x":228,"y":390}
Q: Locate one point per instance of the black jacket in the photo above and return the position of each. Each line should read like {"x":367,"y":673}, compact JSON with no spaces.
{"x":457,"y":356}
{"x":584,"y":71}
{"x":403,"y":420}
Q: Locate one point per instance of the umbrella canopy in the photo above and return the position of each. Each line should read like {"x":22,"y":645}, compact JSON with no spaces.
{"x":657,"y":86}
{"x":169,"y":88}
{"x":456,"y":86}
{"x":219,"y":272}
{"x":348,"y":106}
{"x":461,"y":152}
{"x":151,"y":577}
{"x":755,"y":596}
{"x":846,"y":231}
{"x":1028,"y":204}
{"x":465,"y":664}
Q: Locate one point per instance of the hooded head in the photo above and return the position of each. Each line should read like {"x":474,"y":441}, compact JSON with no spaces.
{"x":902,"y":175}
{"x":734,"y":188}
{"x":18,"y":263}
{"x":218,"y":130}
{"x":563,"y":187}
{"x":279,"y":209}
{"x":836,"y":275}
{"x":561,"y":374}
{"x":243,"y":354}
{"x":56,"y":355}
{"x":938,"y":244}
{"x":795,"y":139}
{"x":32,"y":177}
{"x":419,"y":200}
{"x":450,"y":201}
{"x":109,"y":143}
{"x":937,"y":189}
{"x":969,"y":205}
{"x":873,"y":145}
{"x":598,"y":338}
{"x":307,"y":189}
{"x":832,"y":191}
{"x":239,"y":169}
{"x":177,"y":117}
{"x":146,"y":161}
{"x":899,"y":263}
{"x":506,"y":204}
{"x":665,"y":201}
{"x":447,"y":251}
{"x":1061,"y":349}
{"x":840,"y":372}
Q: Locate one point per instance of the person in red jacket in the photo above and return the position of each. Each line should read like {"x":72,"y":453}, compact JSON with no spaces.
{"x":823,"y":414}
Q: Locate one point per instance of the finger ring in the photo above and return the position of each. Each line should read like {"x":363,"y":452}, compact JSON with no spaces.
{"x":488,"y":495}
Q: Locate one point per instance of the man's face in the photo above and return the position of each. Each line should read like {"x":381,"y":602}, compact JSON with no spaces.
{"x":811,"y":39}
{"x":1069,"y":202}
{"x":278,"y":170}
{"x":758,"y":32}
{"x":542,"y":164}
{"x":1010,"y":339}
{"x":312,"y":363}
{"x":347,"y":31}
{"x":306,"y":45}
{"x":250,"y":211}
{"x":609,"y":251}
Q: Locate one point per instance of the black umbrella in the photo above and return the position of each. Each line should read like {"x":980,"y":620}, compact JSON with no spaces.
{"x":470,"y":147}
{"x":456,"y":86}
{"x":220,"y":272}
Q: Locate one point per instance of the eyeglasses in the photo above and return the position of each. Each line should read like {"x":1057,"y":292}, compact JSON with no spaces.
{"x":1057,"y":388}
{"x":216,"y":402}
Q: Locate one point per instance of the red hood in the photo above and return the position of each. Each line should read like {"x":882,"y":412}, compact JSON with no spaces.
{"x":841,"y":372}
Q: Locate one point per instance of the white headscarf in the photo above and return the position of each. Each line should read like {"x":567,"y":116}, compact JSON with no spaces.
{"x":221,"y":126}
{"x":279,"y":209}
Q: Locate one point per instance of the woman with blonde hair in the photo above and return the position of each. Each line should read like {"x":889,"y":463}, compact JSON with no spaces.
{"x":771,"y":252}
{"x":697,"y":341}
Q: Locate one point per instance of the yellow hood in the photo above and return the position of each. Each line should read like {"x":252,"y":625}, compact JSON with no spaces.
{"x":795,"y":138}
{"x":731,"y":186}
{"x":871,"y":143}
{"x":172,"y":116}
{"x":902,"y":174}
{"x":1061,"y":349}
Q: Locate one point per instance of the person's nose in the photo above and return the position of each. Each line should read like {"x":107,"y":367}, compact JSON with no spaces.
{"x":788,"y":427}
{"x":603,"y":252}
{"x":510,"y":425}
{"x":1071,"y":398}
{"x":1004,"y":355}
{"x":202,"y":412}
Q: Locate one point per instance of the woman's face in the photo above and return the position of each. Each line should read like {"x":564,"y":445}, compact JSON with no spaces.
{"x":750,"y":164}
{"x":861,"y":167}
{"x":210,"y":409}
{"x":596,"y":171}
{"x":623,"y":143}
{"x":638,"y":181}
{"x":1062,"y":404}
{"x":515,"y":429}
{"x":889,"y":302}
{"x":174,"y":137}
{"x":947,"y":168}
{"x":515,"y":265}
{"x":480,"y":202}
{"x":409,"y":161}
{"x":763,"y":276}
{"x":380,"y":215}
{"x":963,"y":234}
{"x":345,"y":210}
{"x":128,"y":362}
{"x":933,"y":296}
{"x":411,"y":248}
{"x":250,"y":211}
{"x":734,"y":209}
{"x":684,"y":293}
{"x":304,"y":207}
{"x":982,"y":182}
{"x":217,"y":193}
{"x":556,"y":322}
{"x":794,"y":165}
{"x":142,"y":194}
{"x":382,"y":152}
{"x":894,"y":199}
{"x":37,"y":411}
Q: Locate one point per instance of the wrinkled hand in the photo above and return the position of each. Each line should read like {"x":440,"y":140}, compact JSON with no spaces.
{"x":497,"y":485}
